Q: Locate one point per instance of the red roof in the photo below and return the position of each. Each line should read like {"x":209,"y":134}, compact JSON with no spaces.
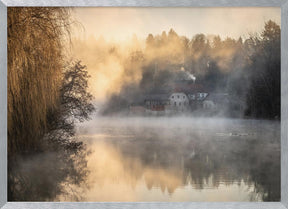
{"x":188,"y":87}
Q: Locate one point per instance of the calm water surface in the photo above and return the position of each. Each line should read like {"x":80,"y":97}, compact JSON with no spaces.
{"x":179,"y":159}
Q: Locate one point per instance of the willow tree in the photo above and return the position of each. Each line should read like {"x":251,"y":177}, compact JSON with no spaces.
{"x":36,"y":38}
{"x":45,"y":99}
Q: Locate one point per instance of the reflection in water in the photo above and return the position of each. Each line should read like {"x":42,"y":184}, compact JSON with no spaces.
{"x":43,"y":176}
{"x":157,"y":159}
{"x":165,"y":159}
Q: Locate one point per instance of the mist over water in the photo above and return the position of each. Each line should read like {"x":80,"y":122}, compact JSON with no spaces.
{"x":180,"y":159}
{"x":165,"y":100}
{"x":195,"y":155}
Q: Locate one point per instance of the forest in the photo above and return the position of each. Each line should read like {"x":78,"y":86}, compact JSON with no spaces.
{"x":247,"y":69}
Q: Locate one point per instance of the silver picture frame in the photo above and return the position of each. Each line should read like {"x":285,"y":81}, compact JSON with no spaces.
{"x":283,"y":4}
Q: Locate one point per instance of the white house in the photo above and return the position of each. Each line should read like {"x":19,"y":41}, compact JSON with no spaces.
{"x":179,"y":102}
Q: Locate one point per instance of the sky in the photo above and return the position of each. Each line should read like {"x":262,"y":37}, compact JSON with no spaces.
{"x":118,"y":24}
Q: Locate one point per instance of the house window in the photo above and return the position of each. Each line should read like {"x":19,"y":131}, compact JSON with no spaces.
{"x":183,"y":97}
{"x":178,"y":96}
{"x":172,"y":97}
{"x":175,"y":103}
{"x":179,"y":103}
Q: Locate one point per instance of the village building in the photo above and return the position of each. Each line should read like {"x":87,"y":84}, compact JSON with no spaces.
{"x":179,"y":102}
{"x":174,"y":103}
{"x":185,"y":97}
{"x":196,"y":99}
{"x":182,"y":95}
{"x":156,"y":103}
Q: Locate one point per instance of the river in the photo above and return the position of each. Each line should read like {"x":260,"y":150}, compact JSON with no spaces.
{"x":179,"y":159}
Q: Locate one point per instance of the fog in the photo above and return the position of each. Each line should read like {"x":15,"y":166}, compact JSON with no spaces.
{"x":108,"y":64}
{"x":181,"y":159}
{"x":223,"y":154}
{"x":124,"y":73}
{"x":181,"y":115}
{"x":159,"y":159}
{"x":183,"y":126}
{"x":115,"y":65}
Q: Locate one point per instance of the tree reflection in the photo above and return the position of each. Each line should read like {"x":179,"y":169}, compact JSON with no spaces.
{"x":202,"y":161}
{"x":121,"y":159}
{"x":43,"y":176}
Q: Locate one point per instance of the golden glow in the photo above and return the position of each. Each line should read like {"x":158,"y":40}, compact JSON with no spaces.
{"x":114,"y":177}
{"x":121,"y":23}
{"x":109,"y":35}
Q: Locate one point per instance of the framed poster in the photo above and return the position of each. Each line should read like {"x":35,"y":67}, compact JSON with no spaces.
{"x":143,"y":104}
